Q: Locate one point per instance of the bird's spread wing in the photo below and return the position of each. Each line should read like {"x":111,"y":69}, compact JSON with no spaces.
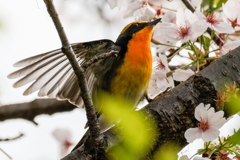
{"x":53,"y":75}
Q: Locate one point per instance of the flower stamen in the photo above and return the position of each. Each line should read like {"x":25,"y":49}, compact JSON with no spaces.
{"x":212,"y":19}
{"x":183,"y":31}
{"x":203,"y":125}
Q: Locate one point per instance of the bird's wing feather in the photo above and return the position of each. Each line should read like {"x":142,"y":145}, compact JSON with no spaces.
{"x":53,"y":75}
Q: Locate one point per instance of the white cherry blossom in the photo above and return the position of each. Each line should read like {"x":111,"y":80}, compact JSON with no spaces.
{"x":145,"y":13}
{"x":159,"y":80}
{"x":159,"y":35}
{"x":64,"y":137}
{"x":187,"y":27}
{"x":231,"y":13}
{"x":213,"y":21}
{"x":209,"y":124}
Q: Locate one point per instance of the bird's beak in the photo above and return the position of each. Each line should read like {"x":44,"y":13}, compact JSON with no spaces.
{"x":153,"y":23}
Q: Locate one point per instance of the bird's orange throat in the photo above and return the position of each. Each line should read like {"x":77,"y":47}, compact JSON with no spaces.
{"x":134,"y":74}
{"x":138,"y":49}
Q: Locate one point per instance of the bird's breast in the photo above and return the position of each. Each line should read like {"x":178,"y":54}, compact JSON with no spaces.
{"x":132,"y":78}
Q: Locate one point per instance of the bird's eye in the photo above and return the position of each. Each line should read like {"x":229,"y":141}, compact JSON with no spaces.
{"x":135,"y":25}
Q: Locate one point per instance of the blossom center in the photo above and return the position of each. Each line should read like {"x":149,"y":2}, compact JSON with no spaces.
{"x":234,"y":23}
{"x":203,"y":125}
{"x":183,"y":31}
{"x":160,"y":65}
{"x":67,"y":143}
{"x":212,"y":19}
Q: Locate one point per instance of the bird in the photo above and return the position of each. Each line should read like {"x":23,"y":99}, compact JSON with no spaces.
{"x":125,"y":75}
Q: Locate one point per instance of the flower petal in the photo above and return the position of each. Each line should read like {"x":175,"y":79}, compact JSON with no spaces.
{"x":182,"y":75}
{"x":229,"y":7}
{"x":164,"y":61}
{"x":200,"y":15}
{"x":210,"y":134}
{"x":222,"y":27}
{"x":170,"y":31}
{"x":200,"y":112}
{"x":191,"y":134}
{"x":229,"y":46}
{"x":198,"y":28}
{"x":153,"y":89}
{"x":169,"y":17}
{"x":146,"y":13}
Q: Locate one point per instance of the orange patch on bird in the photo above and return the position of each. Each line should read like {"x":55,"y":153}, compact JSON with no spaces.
{"x":134,"y":75}
{"x":138,"y":48}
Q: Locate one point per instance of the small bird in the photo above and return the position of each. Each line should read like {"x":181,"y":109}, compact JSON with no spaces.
{"x":126,"y":75}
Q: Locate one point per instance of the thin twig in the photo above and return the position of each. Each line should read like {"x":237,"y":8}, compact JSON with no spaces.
{"x":14,"y":138}
{"x":216,"y":38}
{"x":97,"y":58}
{"x":79,"y":71}
{"x":6,"y":153}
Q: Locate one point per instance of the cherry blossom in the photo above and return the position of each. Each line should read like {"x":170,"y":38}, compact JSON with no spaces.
{"x":209,"y":124}
{"x":187,"y":27}
{"x":182,"y":75}
{"x":159,"y":80}
{"x":159,"y":35}
{"x":145,"y":13}
{"x":213,"y":22}
{"x":231,"y":13}
{"x":140,"y":9}
{"x":229,"y":46}
{"x":63,"y":136}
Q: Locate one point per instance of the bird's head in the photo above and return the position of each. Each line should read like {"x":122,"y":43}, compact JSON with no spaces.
{"x":134,"y":28}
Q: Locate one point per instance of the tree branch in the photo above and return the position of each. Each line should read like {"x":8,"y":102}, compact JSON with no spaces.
{"x":216,"y":38}
{"x":30,"y":110}
{"x":174,"y":110}
{"x":14,"y":138}
{"x":79,"y":71}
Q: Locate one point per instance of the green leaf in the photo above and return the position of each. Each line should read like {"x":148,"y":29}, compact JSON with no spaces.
{"x":212,"y":5}
{"x":205,"y":41}
{"x":219,"y":3}
{"x":235,"y":138}
{"x":168,"y":152}
{"x":134,"y":127}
